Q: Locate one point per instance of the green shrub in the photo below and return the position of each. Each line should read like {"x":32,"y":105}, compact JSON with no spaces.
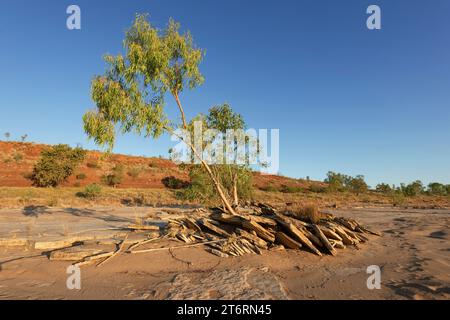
{"x":383,"y":188}
{"x":437,"y":189}
{"x":340,"y":182}
{"x":413,"y":189}
{"x":81,"y":176}
{"x":134,"y":172}
{"x":174,"y":183}
{"x":290,"y":189}
{"x":317,"y":189}
{"x":398,"y":199}
{"x":90,"y":192}
{"x":201,"y":187}
{"x":115,"y":177}
{"x":56,"y":164}
{"x":53,"y":202}
{"x":18,"y":157}
{"x":357,"y":185}
{"x":269,"y":188}
{"x":93,"y":164}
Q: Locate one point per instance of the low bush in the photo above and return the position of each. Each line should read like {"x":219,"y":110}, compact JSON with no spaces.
{"x":134,"y":172}
{"x":290,"y":189}
{"x":90,"y":192}
{"x":308,"y":213}
{"x":114,"y":178}
{"x":18,"y":157}
{"x":56,"y":164}
{"x":81,"y":176}
{"x":317,"y":189}
{"x":174,"y":183}
{"x":93,"y":164}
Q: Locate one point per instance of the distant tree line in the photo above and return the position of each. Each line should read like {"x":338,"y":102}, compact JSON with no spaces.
{"x":338,"y":182}
{"x":415,"y":188}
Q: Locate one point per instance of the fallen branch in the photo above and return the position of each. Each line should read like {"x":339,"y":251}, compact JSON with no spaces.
{"x":122,"y":245}
{"x":178,"y":247}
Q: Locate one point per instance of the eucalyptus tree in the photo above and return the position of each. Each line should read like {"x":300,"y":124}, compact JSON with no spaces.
{"x":130,"y":95}
{"x":223,"y":145}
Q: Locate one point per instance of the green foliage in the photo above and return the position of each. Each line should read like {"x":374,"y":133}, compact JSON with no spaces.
{"x":201,"y":187}
{"x":269,"y":188}
{"x":93,"y":164}
{"x":317,"y":189}
{"x":222,"y":118}
{"x":24,"y":137}
{"x":230,"y":175}
{"x":336,"y":181}
{"x":398,"y":198}
{"x":81,"y":176}
{"x":18,"y":157}
{"x":90,"y":192}
{"x":56,"y":164}
{"x":437,"y":189}
{"x":341,"y":182}
{"x":131,"y":92}
{"x":290,"y":189}
{"x":134,"y":172}
{"x":413,"y":189}
{"x":174,"y":183}
{"x":7,"y":135}
{"x":357,"y":185}
{"x":384,"y":188}
{"x":114,"y":178}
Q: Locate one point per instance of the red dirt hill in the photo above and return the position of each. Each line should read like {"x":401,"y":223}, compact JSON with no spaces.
{"x":17,"y":160}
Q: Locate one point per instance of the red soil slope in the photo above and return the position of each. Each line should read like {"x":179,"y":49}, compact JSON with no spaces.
{"x":17,"y":160}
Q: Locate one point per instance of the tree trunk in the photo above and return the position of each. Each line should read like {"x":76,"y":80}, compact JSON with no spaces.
{"x":235,"y":191}
{"x":217,"y":184}
{"x":183,"y":118}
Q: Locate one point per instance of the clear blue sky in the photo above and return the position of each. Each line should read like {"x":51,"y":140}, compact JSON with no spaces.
{"x":345,"y":98}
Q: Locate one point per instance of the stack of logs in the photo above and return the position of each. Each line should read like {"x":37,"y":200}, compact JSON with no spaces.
{"x":230,"y":235}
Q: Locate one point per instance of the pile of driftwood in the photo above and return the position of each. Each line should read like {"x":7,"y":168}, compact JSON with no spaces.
{"x":263,"y":228}
{"x":256,"y":228}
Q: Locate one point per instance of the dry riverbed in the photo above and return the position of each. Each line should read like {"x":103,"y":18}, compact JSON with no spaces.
{"x":413,"y":254}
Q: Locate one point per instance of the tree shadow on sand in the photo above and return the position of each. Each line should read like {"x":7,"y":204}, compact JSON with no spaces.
{"x":35,"y":211}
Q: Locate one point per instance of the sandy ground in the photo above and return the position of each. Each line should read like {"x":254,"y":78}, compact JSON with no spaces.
{"x":413,"y":254}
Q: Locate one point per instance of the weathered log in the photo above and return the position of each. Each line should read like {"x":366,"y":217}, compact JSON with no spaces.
{"x":337,"y":244}
{"x":312,"y":237}
{"x":287,"y":241}
{"x":227,"y":218}
{"x":191,"y":224}
{"x":213,"y":228}
{"x":346,"y":223}
{"x":345,"y":238}
{"x":118,"y":251}
{"x":217,"y":252}
{"x":251,"y":237}
{"x":298,"y":235}
{"x":324,"y":240}
{"x":263,"y":220}
{"x":330,"y":233}
{"x":370,"y":231}
{"x":260,"y":231}
{"x":145,"y":227}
